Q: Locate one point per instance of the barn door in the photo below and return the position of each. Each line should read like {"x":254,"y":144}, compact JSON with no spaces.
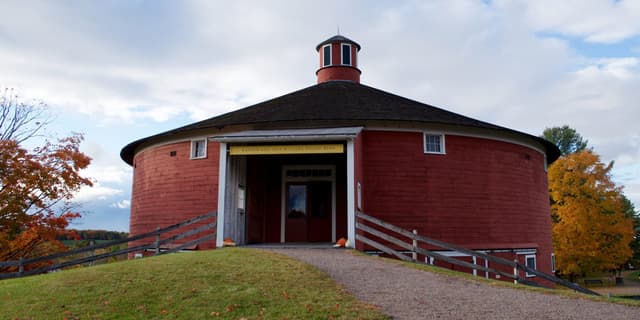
{"x":308,"y":212}
{"x":308,"y":203}
{"x":297,"y":212}
{"x":319,"y":206}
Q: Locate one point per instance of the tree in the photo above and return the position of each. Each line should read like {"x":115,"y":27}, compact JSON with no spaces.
{"x":591,"y":231}
{"x":566,"y":138}
{"x":630,"y":212}
{"x":36,"y":186}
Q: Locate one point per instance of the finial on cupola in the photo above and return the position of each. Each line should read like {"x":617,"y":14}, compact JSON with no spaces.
{"x":338,"y":60}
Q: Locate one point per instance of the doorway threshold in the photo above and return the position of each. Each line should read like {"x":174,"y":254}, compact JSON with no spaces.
{"x":291,"y":245}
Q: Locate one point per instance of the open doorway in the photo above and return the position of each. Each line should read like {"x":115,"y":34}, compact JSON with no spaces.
{"x":299,"y":198}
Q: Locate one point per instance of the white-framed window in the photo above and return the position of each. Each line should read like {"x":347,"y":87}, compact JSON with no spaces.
{"x":198,"y":148}
{"x":326,"y":55}
{"x":359,"y":196}
{"x":530,"y":261}
{"x":434,"y":143}
{"x":346,"y":54}
{"x":553,"y":262}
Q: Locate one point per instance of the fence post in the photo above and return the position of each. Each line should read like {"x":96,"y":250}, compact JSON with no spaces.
{"x":21,"y":266}
{"x":486,"y":265}
{"x":475,"y":271}
{"x":414,"y":254}
{"x":157,"y":240}
{"x":515,"y":271}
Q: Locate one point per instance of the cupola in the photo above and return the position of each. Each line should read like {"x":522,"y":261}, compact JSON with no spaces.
{"x":338,"y":60}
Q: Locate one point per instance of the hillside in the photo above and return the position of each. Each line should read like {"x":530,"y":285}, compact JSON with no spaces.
{"x":230,"y":283}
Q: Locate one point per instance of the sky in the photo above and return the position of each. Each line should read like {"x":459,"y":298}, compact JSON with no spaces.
{"x":118,"y":71}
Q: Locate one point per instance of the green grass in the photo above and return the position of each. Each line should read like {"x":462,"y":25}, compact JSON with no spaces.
{"x":634,"y":276}
{"x":231,"y":283}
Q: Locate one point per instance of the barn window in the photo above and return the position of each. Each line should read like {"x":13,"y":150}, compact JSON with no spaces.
{"x":198,"y":149}
{"x":326,"y":55}
{"x":346,"y":54}
{"x":359,"y":196}
{"x":434,"y":143}
{"x":553,"y":262}
{"x":530,"y":261}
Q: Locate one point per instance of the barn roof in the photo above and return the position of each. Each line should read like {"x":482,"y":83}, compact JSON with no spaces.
{"x":335,"y":101}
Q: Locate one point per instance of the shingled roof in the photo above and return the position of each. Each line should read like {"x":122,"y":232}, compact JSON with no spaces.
{"x":336,"y":101}
{"x":338,"y":38}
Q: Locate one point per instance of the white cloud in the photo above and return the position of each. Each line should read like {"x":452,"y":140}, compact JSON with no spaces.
{"x":122,"y":204}
{"x":117,"y":174}
{"x":96,"y":192}
{"x":123,"y":62}
{"x":598,"y":21}
{"x":105,"y":166}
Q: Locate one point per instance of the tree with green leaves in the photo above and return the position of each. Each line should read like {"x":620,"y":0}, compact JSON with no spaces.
{"x":566,"y":138}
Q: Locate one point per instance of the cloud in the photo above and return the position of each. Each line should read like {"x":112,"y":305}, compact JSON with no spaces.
{"x":97,"y":192}
{"x":122,"y":204}
{"x":112,"y":174}
{"x":105,"y":166}
{"x":597,"y":21}
{"x":130,"y":63}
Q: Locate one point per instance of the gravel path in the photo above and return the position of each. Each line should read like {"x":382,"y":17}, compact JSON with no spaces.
{"x":406,"y":293}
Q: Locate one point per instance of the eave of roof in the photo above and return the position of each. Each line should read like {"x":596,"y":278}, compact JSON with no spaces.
{"x":335,"y":101}
{"x":342,"y":133}
{"x":338,"y":38}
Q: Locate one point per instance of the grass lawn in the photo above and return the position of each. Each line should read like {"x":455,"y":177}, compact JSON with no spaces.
{"x":231,"y":283}
{"x":634,"y":276}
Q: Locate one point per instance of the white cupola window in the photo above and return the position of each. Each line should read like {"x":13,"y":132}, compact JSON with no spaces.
{"x":346,"y":54}
{"x":326,"y":55}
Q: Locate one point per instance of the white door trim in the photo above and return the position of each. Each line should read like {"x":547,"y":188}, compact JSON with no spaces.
{"x":222,"y":187}
{"x":351,"y":206}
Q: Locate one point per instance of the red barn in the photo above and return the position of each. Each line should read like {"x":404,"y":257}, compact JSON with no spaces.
{"x":297,"y":167}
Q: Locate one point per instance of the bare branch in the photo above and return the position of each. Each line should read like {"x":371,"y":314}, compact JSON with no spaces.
{"x":21,"y":121}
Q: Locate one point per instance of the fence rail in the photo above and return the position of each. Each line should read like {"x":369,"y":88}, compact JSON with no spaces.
{"x":415,"y":249}
{"x":156,"y":245}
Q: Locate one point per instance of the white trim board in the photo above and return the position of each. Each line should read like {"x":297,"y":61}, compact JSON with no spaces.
{"x":351,"y":205}
{"x":222,"y":187}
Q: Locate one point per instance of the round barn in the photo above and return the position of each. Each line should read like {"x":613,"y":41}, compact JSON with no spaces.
{"x":297,"y":169}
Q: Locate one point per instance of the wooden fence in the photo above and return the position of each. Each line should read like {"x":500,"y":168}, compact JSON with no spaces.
{"x":156,"y":244}
{"x":415,"y":249}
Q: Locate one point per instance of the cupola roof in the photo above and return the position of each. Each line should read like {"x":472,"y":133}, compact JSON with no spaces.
{"x":338,"y":38}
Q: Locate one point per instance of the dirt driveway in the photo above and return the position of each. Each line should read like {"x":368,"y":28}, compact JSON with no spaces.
{"x":406,"y":293}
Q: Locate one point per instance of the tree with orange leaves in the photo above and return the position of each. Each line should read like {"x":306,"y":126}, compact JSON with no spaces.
{"x":590,"y":231}
{"x":36,"y":185}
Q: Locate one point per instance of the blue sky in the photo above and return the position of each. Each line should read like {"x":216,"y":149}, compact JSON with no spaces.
{"x":122,"y":70}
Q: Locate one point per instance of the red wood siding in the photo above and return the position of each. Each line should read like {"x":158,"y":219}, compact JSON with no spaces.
{"x":168,"y":190}
{"x":338,"y":73}
{"x":481,"y":193}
